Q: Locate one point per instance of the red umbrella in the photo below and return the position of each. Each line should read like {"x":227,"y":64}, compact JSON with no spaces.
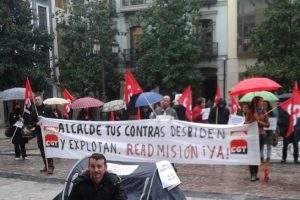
{"x":86,"y":102}
{"x":254,"y":84}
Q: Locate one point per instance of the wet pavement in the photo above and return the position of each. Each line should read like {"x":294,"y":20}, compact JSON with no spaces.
{"x":198,"y":181}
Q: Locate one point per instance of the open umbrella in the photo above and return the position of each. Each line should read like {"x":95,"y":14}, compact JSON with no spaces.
{"x":147,"y":98}
{"x":55,"y":101}
{"x":113,"y":106}
{"x":254,"y":84}
{"x":86,"y":102}
{"x":16,"y":93}
{"x":267,"y":96}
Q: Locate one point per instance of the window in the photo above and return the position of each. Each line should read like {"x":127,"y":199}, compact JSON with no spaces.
{"x":250,"y":14}
{"x":61,"y":4}
{"x":135,"y":35}
{"x":42,"y":17}
{"x":133,"y":2}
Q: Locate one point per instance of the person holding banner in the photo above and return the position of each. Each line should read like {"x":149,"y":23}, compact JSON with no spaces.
{"x":41,"y":111}
{"x":257,"y":113}
{"x":97,"y":183}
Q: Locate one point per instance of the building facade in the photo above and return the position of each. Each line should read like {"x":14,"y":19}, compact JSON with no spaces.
{"x":243,"y":16}
{"x":213,"y":54}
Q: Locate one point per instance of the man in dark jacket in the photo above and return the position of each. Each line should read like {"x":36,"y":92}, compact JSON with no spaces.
{"x":41,"y":110}
{"x":96,"y":183}
{"x":283,"y":125}
{"x":219,"y":114}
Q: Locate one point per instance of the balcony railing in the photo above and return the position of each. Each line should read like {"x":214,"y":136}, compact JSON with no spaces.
{"x":209,"y":50}
{"x":134,"y":5}
{"x":208,"y":2}
{"x":133,"y":2}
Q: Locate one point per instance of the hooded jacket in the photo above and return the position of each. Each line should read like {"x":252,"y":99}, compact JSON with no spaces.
{"x":223,"y":113}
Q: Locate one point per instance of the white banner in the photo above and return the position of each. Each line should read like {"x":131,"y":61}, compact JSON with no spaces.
{"x":152,"y":140}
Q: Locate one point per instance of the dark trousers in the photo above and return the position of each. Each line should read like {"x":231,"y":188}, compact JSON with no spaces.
{"x":286,"y":142}
{"x":253,"y":169}
{"x":20,"y":149}
{"x":42,"y":151}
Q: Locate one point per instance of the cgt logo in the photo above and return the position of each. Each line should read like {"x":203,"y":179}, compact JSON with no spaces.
{"x":51,"y":138}
{"x":238,"y":145}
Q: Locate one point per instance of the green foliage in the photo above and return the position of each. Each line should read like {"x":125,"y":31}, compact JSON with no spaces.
{"x":23,"y":47}
{"x":170,"y":45}
{"x":81,"y":67}
{"x":276,"y":42}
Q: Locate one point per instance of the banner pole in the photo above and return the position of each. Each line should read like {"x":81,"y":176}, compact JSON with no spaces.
{"x":217,"y":110}
{"x":271,"y":110}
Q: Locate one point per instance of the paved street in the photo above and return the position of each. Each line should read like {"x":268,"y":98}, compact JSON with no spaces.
{"x":16,"y":189}
{"x":200,"y":182}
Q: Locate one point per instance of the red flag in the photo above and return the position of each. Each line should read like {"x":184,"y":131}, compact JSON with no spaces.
{"x":28,"y":96}
{"x":131,"y":87}
{"x":138,"y":114}
{"x":217,"y":95}
{"x":234,"y":105}
{"x":292,"y":106}
{"x":112,"y":116}
{"x":186,"y":100}
{"x":67,"y":96}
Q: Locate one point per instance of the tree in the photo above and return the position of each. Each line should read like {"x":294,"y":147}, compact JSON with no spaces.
{"x":24,"y":48}
{"x":276,"y":43}
{"x":81,"y":65}
{"x":173,"y":34}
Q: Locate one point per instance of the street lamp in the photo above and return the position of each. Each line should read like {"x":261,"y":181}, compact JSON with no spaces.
{"x":224,"y":75}
{"x":96,"y":50}
{"x":115,"y":48}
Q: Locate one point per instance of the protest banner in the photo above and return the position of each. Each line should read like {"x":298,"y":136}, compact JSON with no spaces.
{"x":152,"y":140}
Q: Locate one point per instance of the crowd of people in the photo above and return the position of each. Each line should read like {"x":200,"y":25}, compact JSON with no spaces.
{"x":257,"y":110}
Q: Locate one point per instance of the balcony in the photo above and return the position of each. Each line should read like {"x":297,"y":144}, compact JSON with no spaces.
{"x":208,"y":50}
{"x":134,"y":5}
{"x":208,"y":2}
